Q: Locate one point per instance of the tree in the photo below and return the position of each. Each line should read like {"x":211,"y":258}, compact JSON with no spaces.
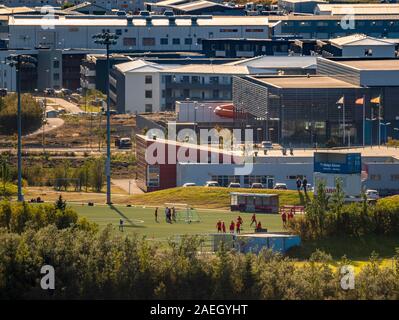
{"x":32,"y":114}
{"x":60,"y":204}
{"x":4,"y":173}
{"x":96,"y":174}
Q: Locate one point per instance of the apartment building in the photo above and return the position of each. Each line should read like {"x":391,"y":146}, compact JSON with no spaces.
{"x":143,"y":86}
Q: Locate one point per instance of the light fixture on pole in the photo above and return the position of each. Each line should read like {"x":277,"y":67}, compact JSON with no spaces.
{"x":17,"y":61}
{"x":107,"y":39}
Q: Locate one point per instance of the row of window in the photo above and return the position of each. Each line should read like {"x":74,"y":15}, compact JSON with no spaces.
{"x":337,"y":23}
{"x":149,"y":42}
{"x":377,"y":177}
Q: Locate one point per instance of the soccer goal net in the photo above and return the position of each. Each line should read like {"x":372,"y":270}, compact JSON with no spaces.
{"x":183,"y":212}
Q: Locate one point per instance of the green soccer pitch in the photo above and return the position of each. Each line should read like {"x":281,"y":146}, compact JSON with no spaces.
{"x":141,"y":220}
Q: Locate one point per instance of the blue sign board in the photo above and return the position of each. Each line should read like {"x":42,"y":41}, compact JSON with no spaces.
{"x":341,"y":163}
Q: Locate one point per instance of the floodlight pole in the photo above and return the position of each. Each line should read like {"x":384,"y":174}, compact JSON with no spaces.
{"x":17,"y":60}
{"x":19,"y":125}
{"x":108,"y":164}
{"x":107,"y":39}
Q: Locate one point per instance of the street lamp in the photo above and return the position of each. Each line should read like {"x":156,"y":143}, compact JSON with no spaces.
{"x":107,"y":39}
{"x":17,"y":61}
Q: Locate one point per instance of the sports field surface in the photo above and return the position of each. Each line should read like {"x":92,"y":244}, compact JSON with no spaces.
{"x":141,"y":220}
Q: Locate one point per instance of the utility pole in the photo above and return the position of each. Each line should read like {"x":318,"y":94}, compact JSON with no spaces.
{"x":107,"y":38}
{"x":17,"y":61}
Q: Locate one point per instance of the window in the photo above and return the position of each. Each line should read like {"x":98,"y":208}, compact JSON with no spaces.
{"x":148,"y":107}
{"x":188,"y":41}
{"x":254,"y":30}
{"x":153,"y":176}
{"x":214,"y":80}
{"x":148,"y":79}
{"x":224,"y":181}
{"x":164,"y":41}
{"x":56,"y":64}
{"x":368,"y":52}
{"x":375,"y":177}
{"x":176,"y":41}
{"x":195,"y":79}
{"x":394,"y":177}
{"x":228,"y":30}
{"x":215,"y":94}
{"x":199,"y":41}
{"x":118,"y":32}
{"x":148,"y":94}
{"x":149,"y":42}
{"x":56,"y":76}
{"x":129,"y":42}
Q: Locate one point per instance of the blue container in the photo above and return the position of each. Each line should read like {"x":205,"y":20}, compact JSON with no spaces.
{"x":254,"y":243}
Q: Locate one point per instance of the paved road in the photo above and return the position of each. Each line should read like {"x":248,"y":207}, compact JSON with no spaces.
{"x":124,"y":184}
{"x":68,"y":106}
{"x":52,"y":123}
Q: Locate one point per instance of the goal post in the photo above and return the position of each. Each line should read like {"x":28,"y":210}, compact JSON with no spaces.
{"x":184,"y":212}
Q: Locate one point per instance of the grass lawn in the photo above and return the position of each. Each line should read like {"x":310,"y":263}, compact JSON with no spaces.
{"x":213,"y":198}
{"x":357,"y":249}
{"x":141,"y":220}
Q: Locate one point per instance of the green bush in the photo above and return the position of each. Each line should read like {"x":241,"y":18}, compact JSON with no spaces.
{"x":326,"y":217}
{"x":17,"y":217}
{"x":102,"y":265}
{"x":32,"y":114}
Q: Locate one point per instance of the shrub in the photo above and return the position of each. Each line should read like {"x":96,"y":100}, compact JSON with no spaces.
{"x":326,"y":217}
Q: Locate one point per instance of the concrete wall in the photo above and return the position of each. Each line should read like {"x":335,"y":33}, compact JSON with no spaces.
{"x":379,"y":78}
{"x":192,"y":111}
{"x":49,"y":75}
{"x":135,"y":88}
{"x":80,"y":36}
{"x":378,"y":51}
{"x":383,"y":177}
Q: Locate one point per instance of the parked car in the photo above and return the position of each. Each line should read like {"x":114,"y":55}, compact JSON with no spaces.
{"x":3,"y":92}
{"x":189,"y":184}
{"x":256,"y":185}
{"x":145,"y":13}
{"x":168,"y":13}
{"x":212,"y":184}
{"x":125,"y":143}
{"x":267,"y":145}
{"x":49,"y":91}
{"x":234,"y":185}
{"x":372,"y":194}
{"x":280,"y":186}
{"x":66,"y":92}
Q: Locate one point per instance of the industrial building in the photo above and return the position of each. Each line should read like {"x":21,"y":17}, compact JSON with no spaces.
{"x":128,"y":5}
{"x":333,"y":9}
{"x":136,"y":33}
{"x":360,"y":45}
{"x":195,"y":7}
{"x":379,"y":172}
{"x":299,"y":6}
{"x":306,"y":110}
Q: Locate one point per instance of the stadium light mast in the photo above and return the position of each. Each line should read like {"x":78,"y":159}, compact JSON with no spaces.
{"x":17,"y":61}
{"x":107,"y":39}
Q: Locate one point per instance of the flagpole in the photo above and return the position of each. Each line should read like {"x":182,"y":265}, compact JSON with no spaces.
{"x":364,"y":121}
{"x":379,"y":124}
{"x":343,"y":120}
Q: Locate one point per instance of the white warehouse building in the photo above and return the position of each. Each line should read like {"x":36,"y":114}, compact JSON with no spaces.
{"x":136,"y":33}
